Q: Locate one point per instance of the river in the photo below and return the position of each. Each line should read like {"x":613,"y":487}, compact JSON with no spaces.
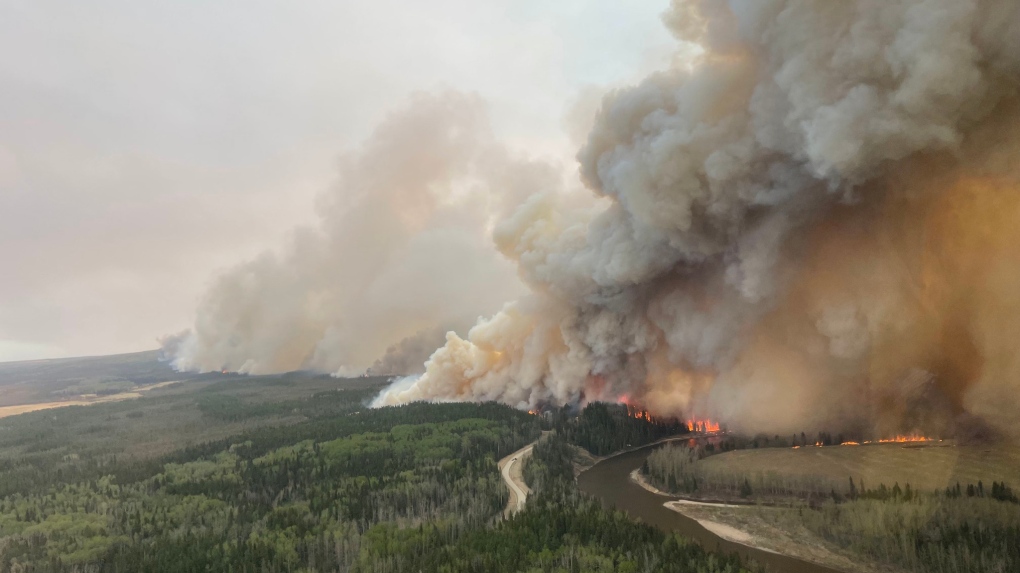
{"x":609,"y":481}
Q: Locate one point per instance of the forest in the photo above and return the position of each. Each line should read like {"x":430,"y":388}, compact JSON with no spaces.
{"x":317,"y":483}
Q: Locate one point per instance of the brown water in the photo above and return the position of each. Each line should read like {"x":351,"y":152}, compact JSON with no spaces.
{"x":609,"y":481}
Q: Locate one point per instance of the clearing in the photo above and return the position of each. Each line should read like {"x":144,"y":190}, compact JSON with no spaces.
{"x":924,"y":467}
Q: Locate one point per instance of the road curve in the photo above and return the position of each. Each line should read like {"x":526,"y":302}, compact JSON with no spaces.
{"x":509,"y":468}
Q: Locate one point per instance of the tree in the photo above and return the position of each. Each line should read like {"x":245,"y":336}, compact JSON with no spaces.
{"x":745,"y":489}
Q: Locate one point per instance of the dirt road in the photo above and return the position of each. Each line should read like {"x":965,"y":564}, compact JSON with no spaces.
{"x":510,"y":469}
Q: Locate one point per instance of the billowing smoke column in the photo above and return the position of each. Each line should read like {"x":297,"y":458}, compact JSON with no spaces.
{"x":816,"y":222}
{"x":400,"y":249}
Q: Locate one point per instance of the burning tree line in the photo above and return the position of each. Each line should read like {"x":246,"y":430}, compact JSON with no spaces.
{"x":699,"y":425}
{"x":636,"y":424}
{"x":694,"y":424}
{"x":603,"y":428}
{"x":826,"y":439}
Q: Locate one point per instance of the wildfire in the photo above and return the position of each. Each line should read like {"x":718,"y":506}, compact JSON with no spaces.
{"x":703,"y":426}
{"x":901,"y":439}
{"x":635,"y":412}
{"x":534,"y":412}
{"x":908,"y":439}
{"x":697,"y":425}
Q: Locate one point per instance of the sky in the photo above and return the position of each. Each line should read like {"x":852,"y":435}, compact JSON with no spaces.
{"x":147,"y":146}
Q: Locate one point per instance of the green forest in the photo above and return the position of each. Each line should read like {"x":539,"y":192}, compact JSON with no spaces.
{"x":293,"y":482}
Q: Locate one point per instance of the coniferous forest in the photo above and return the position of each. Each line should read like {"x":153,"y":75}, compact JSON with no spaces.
{"x":319,"y":484}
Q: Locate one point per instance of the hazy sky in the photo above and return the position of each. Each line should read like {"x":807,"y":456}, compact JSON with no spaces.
{"x":146,"y":145}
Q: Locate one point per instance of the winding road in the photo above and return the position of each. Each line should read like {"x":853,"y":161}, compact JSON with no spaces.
{"x":510,"y":469}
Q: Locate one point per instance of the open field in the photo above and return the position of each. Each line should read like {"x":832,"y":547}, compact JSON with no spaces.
{"x":924,"y":467}
{"x":911,"y":507}
{"x":83,"y":400}
{"x":41,"y":381}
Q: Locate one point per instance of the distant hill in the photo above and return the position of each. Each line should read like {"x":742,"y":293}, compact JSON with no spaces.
{"x":32,"y":381}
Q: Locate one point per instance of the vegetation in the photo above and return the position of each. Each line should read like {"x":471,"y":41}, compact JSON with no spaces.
{"x":927,"y":532}
{"x":961,"y":528}
{"x":294,"y":473}
{"x":812,"y":472}
{"x":562,"y":530}
{"x":604,"y":428}
{"x":351,"y":493}
{"x":79,"y":443}
{"x":36,"y":381}
{"x":678,"y":468}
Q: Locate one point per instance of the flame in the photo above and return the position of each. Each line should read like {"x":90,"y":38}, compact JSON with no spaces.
{"x":534,"y":412}
{"x":907,"y":439}
{"x":635,"y":412}
{"x":703,"y":426}
{"x":698,"y":425}
{"x":899,"y":439}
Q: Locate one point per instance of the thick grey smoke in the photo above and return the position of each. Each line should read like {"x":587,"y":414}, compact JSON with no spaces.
{"x":775,"y":238}
{"x":409,"y":355}
{"x":401,"y":248}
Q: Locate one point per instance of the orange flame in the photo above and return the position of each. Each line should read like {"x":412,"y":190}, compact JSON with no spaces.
{"x":900,"y":439}
{"x":698,"y":425}
{"x":703,"y":426}
{"x":534,"y":412}
{"x":635,"y":412}
{"x":907,"y":439}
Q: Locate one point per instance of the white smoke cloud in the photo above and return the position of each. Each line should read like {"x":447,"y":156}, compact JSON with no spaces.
{"x":401,"y":247}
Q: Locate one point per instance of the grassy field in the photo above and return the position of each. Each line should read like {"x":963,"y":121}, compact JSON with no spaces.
{"x":928,"y":467}
{"x":923,"y":508}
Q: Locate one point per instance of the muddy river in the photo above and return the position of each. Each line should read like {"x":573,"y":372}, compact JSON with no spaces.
{"x":609,"y":481}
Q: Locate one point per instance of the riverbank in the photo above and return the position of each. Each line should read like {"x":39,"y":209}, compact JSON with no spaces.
{"x":749,"y":525}
{"x":727,"y":532}
{"x":609,"y":481}
{"x":759,"y":527}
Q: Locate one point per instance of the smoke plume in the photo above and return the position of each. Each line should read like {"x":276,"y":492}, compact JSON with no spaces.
{"x":815,"y":222}
{"x":400,"y":249}
{"x":408,"y":356}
